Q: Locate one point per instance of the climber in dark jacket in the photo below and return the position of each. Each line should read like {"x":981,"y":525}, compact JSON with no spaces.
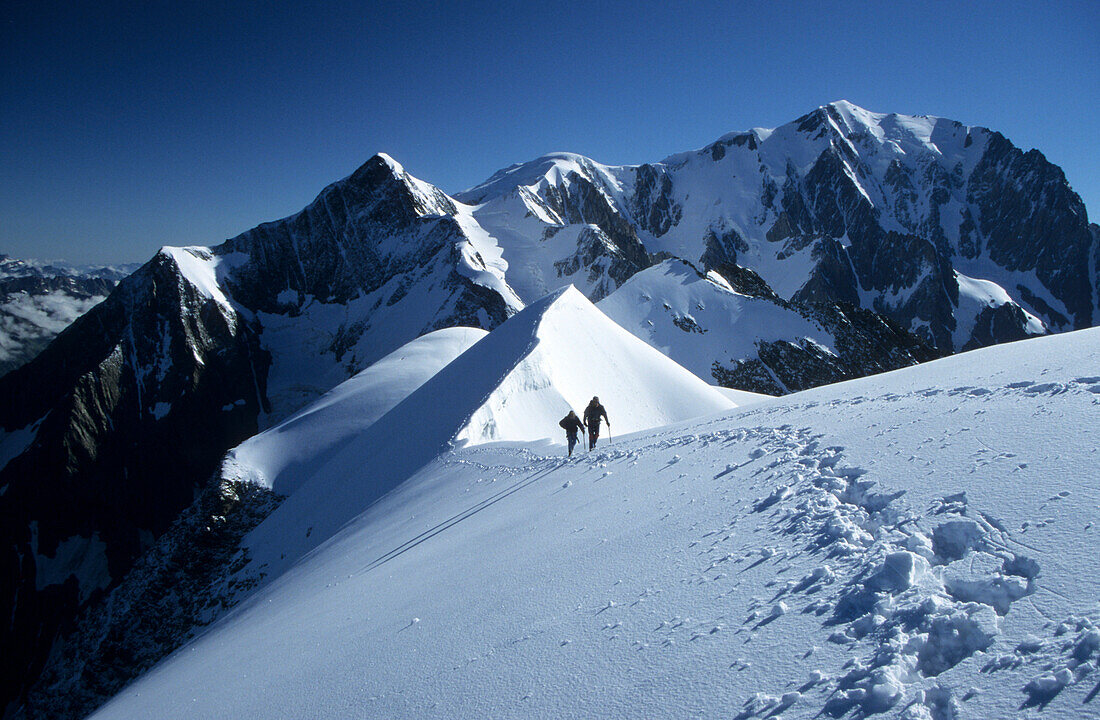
{"x":572,"y":425}
{"x":592,"y":415}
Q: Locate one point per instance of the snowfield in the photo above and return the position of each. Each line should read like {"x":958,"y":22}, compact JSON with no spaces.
{"x":698,"y":320}
{"x":920,"y":544}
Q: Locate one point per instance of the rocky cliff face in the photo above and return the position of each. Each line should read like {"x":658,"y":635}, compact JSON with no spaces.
{"x":117,"y":419}
{"x":950,"y":231}
{"x":178,"y":587}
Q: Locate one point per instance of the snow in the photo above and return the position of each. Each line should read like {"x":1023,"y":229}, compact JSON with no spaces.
{"x":305,"y":364}
{"x":919,"y":544}
{"x":726,"y":194}
{"x":510,"y":215}
{"x":742,"y":397}
{"x":14,"y":442}
{"x":84,"y":557}
{"x":573,"y":353}
{"x":521,"y":225}
{"x":552,"y":169}
{"x":483,"y":259}
{"x":282,"y":454}
{"x":199,"y":266}
{"x":698,"y":320}
{"x":974,"y":296}
{"x":515,"y":384}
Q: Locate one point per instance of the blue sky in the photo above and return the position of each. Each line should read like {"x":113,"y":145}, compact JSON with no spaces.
{"x":127,"y":126}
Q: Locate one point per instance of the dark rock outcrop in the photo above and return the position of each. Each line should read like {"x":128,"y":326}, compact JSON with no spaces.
{"x":182,"y":584}
{"x":865,"y":343}
{"x":109,"y":464}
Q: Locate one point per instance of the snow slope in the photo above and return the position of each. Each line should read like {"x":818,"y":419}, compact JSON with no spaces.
{"x":277,"y":456}
{"x":918,"y":544}
{"x":515,"y":384}
{"x":698,"y":321}
{"x":576,"y":352}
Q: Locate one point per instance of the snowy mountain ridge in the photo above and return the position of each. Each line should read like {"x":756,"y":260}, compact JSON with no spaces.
{"x":753,"y":338}
{"x":922,"y":560}
{"x":204,"y":347}
{"x":900,"y":214}
{"x":514,"y":384}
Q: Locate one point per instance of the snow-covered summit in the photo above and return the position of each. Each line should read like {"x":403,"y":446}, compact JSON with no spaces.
{"x":549,"y":170}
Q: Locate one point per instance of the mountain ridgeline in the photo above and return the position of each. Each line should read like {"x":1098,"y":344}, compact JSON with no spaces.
{"x":842,"y":244}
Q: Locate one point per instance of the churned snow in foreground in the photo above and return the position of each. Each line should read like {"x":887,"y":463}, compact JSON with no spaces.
{"x":918,"y":544}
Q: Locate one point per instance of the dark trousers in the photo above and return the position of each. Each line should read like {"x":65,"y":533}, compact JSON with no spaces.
{"x":572,"y":441}
{"x":593,"y":435}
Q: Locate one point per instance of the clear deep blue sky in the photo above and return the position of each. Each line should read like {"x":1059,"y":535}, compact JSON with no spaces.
{"x":126,"y":126}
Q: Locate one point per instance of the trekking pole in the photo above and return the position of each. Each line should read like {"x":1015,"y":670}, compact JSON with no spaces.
{"x":609,"y":440}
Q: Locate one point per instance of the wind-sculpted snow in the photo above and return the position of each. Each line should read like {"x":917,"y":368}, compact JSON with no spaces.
{"x":917,"y":545}
{"x":575,"y":353}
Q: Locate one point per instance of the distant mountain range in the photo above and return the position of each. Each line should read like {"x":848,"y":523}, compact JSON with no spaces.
{"x":39,"y":300}
{"x":841,"y":244}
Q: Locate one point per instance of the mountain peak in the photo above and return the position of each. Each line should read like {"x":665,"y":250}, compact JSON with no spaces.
{"x":388,"y":160}
{"x":849,"y":108}
{"x":552,"y":167}
{"x":382,"y":172}
{"x":380,"y":167}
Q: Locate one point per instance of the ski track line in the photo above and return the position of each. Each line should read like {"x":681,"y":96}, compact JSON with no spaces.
{"x":455,"y":519}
